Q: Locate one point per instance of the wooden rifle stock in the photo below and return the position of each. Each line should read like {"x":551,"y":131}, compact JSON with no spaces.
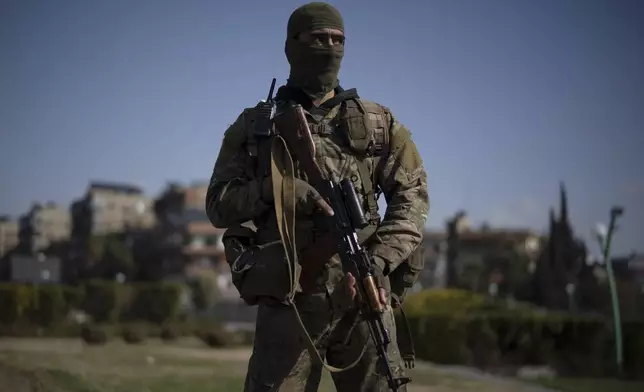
{"x":292,"y":126}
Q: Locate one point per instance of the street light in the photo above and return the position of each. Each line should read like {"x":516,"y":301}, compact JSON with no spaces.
{"x":604,"y":238}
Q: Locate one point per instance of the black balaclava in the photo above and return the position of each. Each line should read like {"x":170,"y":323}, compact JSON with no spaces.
{"x":314,"y":70}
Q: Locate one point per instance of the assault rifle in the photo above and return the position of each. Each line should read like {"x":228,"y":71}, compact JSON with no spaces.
{"x":342,"y":238}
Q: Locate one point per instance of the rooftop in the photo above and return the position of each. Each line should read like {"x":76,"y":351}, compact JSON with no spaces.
{"x":115,"y":187}
{"x":488,"y":234}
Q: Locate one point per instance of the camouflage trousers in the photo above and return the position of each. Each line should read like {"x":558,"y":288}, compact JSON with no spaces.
{"x":281,"y":362}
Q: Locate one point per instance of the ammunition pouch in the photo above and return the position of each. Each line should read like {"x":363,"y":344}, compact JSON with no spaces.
{"x":406,"y":274}
{"x":365,"y":128}
{"x":259,"y":271}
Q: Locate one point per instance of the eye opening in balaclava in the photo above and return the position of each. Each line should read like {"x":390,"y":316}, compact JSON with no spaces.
{"x":314,"y":69}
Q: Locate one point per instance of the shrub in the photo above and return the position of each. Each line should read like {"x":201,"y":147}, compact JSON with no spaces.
{"x":42,"y":305}
{"x":15,"y":302}
{"x":73,"y":297}
{"x":134,"y":333}
{"x":156,"y":303}
{"x":49,"y":305}
{"x":248,"y":338}
{"x":216,"y":336}
{"x":453,"y":327}
{"x":221,"y":338}
{"x":633,"y":337}
{"x":169,"y":333}
{"x":101,"y":301}
{"x":94,"y":335}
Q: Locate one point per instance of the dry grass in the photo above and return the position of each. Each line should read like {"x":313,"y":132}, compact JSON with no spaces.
{"x":67,"y":365}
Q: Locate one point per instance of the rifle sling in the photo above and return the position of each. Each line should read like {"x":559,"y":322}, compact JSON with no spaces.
{"x":282,"y":172}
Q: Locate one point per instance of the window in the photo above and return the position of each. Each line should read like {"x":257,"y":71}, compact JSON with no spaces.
{"x":139,"y":207}
{"x":197,"y":242}
{"x":97,"y":203}
{"x":211,"y":240}
{"x":204,"y":262}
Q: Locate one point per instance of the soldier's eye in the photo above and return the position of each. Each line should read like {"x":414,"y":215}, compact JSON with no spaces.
{"x":337,"y":40}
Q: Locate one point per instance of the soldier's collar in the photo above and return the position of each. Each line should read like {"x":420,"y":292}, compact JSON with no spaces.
{"x":288,"y":93}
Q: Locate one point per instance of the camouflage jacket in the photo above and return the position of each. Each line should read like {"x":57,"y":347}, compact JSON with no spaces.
{"x":234,"y":193}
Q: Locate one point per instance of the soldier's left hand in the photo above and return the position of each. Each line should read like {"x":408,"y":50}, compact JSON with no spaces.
{"x":384,"y":301}
{"x":351,"y":283}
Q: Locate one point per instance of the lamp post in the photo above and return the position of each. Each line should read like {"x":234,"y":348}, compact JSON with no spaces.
{"x":604,"y":238}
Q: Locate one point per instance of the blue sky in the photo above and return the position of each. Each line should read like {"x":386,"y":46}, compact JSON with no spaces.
{"x":505,"y":99}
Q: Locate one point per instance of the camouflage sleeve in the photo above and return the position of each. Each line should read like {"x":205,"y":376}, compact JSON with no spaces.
{"x":403,"y":181}
{"x":234,"y":194}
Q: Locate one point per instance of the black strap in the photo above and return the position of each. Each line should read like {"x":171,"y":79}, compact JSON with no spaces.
{"x":370,"y":192}
{"x":290,"y":93}
{"x":405,"y":341}
{"x":365,"y":175}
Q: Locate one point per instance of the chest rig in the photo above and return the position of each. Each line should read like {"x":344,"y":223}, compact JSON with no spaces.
{"x":359,"y":126}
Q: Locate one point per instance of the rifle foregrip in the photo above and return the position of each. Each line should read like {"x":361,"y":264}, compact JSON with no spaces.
{"x":373,"y":294}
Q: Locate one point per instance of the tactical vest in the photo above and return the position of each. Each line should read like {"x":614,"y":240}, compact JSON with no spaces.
{"x":364,"y":127}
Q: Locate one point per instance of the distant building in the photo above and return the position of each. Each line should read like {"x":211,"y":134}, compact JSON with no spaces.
{"x":625,"y":268}
{"x":433,"y":274}
{"x":474,"y":245}
{"x":176,"y":198}
{"x":473,"y":248}
{"x":109,"y":208}
{"x":9,"y":235}
{"x":35,"y":268}
{"x":636,"y":265}
{"x":190,"y":242}
{"x":43,"y":226}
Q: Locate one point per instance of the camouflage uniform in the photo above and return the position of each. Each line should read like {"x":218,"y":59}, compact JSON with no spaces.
{"x":280,"y":360}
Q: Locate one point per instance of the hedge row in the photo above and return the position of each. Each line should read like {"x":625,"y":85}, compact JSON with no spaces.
{"x":105,"y":302}
{"x":212,"y":334}
{"x":455,"y":327}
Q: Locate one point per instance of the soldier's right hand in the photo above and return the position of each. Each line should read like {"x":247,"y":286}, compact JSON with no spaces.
{"x":307,"y":198}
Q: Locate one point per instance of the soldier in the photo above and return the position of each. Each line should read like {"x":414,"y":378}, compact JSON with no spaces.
{"x":355,"y":139}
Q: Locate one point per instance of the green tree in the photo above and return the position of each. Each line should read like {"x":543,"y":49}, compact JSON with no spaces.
{"x":110,"y":255}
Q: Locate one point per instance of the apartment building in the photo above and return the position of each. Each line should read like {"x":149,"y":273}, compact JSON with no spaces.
{"x":474,"y":245}
{"x":433,"y":274}
{"x":190,"y":243}
{"x":9,"y":235}
{"x":176,"y":198}
{"x":111,"y":208}
{"x":43,"y":226}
